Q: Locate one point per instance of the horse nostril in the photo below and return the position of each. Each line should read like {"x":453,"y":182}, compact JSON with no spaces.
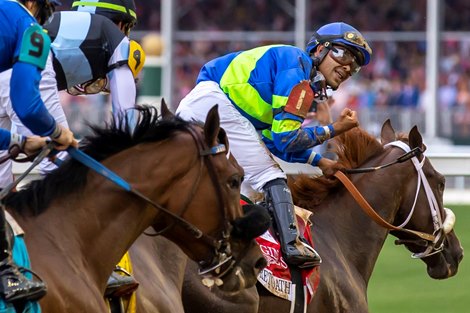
{"x":261,"y":263}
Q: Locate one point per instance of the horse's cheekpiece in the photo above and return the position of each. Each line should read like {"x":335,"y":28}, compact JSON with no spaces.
{"x":276,"y":276}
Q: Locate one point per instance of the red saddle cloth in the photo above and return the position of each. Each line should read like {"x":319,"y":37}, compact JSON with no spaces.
{"x":276,"y":277}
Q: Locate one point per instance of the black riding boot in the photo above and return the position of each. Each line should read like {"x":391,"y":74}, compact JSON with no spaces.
{"x":294,"y":247}
{"x":121,"y":283}
{"x":14,"y":286}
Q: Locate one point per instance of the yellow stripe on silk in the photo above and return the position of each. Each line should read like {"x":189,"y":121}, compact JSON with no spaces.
{"x":234,"y":83}
{"x":285,"y":126}
{"x":267,"y":133}
{"x":279,"y":101}
{"x":104,"y":5}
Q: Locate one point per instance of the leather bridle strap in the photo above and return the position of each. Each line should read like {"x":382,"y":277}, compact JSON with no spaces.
{"x":366,"y":207}
{"x":99,"y":168}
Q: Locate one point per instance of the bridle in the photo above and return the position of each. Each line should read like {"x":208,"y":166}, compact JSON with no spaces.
{"x":434,"y":243}
{"x":222,"y":260}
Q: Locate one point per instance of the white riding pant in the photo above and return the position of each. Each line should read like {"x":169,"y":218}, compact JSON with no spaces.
{"x":9,"y":120}
{"x":245,"y":142}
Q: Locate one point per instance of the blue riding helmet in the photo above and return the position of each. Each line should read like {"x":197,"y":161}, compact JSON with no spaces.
{"x":344,"y":34}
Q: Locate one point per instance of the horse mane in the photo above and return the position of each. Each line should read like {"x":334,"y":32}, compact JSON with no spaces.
{"x":102,"y":143}
{"x":353,"y":149}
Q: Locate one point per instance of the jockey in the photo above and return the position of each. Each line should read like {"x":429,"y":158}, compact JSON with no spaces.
{"x":99,"y":58}
{"x":24,"y":47}
{"x":92,"y":52}
{"x":253,"y":91}
{"x":81,"y":66}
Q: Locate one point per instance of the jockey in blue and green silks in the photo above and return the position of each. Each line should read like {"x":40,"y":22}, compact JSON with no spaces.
{"x":253,"y":90}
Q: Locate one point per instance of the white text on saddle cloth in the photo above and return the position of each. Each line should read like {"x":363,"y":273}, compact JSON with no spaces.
{"x":276,"y":276}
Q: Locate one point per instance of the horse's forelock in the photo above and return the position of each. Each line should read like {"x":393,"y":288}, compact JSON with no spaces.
{"x":355,"y":147}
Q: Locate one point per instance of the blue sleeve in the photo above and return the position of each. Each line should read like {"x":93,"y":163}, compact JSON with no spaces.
{"x":26,"y":99}
{"x":306,"y":156}
{"x":290,"y":136}
{"x":5,"y":137}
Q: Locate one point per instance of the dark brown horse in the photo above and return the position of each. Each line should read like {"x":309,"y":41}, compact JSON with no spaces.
{"x":408,"y":194}
{"x":166,"y":271}
{"x":78,"y":224}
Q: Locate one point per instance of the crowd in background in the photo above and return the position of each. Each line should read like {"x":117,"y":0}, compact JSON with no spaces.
{"x":394,"y":79}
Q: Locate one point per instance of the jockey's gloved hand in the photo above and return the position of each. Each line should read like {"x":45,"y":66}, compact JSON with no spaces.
{"x":64,"y":138}
{"x":33,"y":144}
{"x":329,"y":167}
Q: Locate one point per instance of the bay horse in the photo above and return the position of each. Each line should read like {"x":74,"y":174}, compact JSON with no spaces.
{"x":166,"y":271}
{"x":79,"y":224}
{"x":409,"y":193}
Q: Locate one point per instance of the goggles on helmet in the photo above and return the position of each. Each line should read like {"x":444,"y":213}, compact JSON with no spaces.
{"x":344,"y":57}
{"x":90,"y":87}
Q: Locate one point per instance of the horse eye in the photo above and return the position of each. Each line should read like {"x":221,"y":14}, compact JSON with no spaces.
{"x":442,"y":186}
{"x":234,"y":182}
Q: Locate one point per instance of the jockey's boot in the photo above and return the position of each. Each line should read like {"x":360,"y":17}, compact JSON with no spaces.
{"x":14,"y":286}
{"x":120,"y":285}
{"x":295,"y":249}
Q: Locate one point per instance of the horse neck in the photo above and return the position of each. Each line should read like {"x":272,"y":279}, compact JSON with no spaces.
{"x":347,"y":232}
{"x":103,"y":221}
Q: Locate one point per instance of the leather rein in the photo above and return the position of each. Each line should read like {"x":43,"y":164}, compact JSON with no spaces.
{"x":431,"y":240}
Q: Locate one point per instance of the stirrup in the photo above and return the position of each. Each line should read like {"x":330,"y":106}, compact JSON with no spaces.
{"x":303,"y":257}
{"x":16,"y":287}
{"x":120,"y":285}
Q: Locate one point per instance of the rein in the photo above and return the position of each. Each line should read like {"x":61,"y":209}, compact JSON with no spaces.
{"x":431,"y":239}
{"x":13,"y":153}
{"x":405,"y":157}
{"x":222,"y":246}
{"x":367,"y":208}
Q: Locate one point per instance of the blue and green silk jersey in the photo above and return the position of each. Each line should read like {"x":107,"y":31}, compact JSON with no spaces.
{"x":16,"y":24}
{"x":258,"y":83}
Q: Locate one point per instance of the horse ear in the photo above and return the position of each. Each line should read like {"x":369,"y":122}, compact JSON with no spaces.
{"x":415,"y":139}
{"x":166,"y":113}
{"x":388,"y":133}
{"x":212,"y":125}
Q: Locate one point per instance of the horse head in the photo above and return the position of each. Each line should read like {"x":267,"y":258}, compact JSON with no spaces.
{"x":421,"y":209}
{"x":227,"y":254}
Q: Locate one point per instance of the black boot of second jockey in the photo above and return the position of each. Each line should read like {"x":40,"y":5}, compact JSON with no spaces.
{"x":294,"y":247}
{"x":14,"y":286}
{"x":120,"y":284}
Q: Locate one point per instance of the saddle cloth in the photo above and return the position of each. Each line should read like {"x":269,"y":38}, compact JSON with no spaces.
{"x":276,"y":277}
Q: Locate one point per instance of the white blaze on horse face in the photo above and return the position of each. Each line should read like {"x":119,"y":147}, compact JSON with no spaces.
{"x":449,"y":222}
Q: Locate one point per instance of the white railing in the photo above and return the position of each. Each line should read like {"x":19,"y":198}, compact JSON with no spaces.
{"x":455,"y":166}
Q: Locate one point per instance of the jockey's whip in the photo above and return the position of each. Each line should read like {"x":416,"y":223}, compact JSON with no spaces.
{"x":46,"y":150}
